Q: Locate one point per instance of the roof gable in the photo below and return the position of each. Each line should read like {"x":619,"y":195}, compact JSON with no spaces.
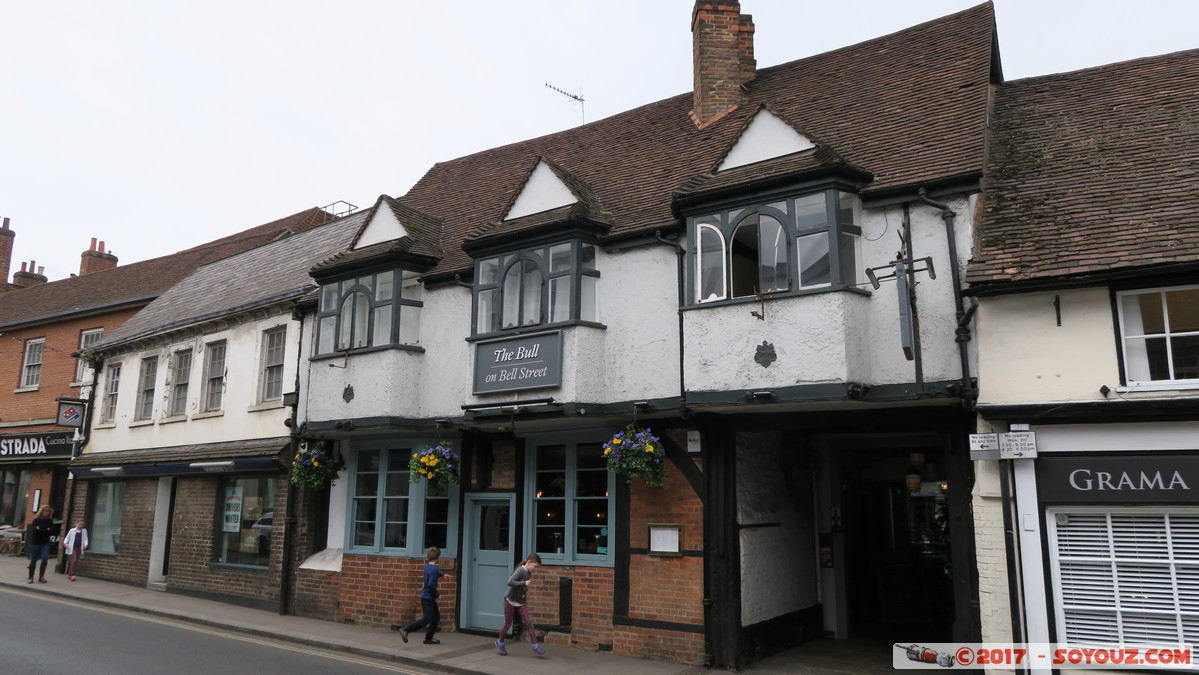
{"x":543,"y":190}
{"x":765,"y":137}
{"x":384,"y":225}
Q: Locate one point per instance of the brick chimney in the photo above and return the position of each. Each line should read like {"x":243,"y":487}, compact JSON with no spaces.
{"x":95,"y":259}
{"x":24,"y":279}
{"x":722,"y":40}
{"x":6,"y":240}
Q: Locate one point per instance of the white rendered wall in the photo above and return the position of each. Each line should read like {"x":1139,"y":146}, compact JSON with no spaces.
{"x":1025,"y":357}
{"x":542,"y":192}
{"x":778,"y":563}
{"x":241,"y":416}
{"x":635,"y":356}
{"x":765,"y":138}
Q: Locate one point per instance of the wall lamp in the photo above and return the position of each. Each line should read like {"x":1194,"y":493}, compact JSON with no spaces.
{"x":344,"y":425}
{"x":109,"y":470}
{"x":642,"y":405}
{"x":762,"y":395}
{"x":213,"y":467}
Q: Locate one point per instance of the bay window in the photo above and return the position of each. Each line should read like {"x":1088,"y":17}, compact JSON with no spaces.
{"x":789,"y":245}
{"x":550,"y":284}
{"x":379,"y":309}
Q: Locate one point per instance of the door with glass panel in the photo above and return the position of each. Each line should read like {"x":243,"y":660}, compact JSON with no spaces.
{"x":487,"y":559}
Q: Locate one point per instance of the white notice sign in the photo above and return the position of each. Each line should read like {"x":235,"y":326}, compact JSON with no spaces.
{"x":1018,"y":445}
{"x":984,"y":446}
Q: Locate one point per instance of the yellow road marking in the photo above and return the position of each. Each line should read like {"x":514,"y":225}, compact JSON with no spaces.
{"x":225,"y":633}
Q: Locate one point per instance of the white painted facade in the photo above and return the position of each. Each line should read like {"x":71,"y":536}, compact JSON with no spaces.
{"x":843,"y":336}
{"x":243,"y":416}
{"x":1028,"y":356}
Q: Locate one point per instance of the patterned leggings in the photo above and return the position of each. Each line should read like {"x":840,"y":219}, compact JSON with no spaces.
{"x":524,"y":616}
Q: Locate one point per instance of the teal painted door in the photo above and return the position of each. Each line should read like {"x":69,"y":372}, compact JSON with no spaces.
{"x":490,"y":531}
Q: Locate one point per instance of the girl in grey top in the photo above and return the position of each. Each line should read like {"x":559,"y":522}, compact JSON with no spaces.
{"x":515,"y":601}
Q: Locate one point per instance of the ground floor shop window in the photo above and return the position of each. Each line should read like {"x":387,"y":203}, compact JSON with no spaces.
{"x":13,"y":486}
{"x":106,"y":502}
{"x":572,"y":503}
{"x":390,"y":514}
{"x":1125,"y":575}
{"x":247,"y":518}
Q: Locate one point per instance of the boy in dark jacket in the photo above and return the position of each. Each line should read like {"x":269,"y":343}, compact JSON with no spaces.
{"x":428,"y":600}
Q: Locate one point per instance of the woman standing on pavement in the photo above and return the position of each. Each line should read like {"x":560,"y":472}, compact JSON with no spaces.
{"x":40,"y":531}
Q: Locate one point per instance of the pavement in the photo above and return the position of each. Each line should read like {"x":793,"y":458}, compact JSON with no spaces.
{"x":458,"y":652}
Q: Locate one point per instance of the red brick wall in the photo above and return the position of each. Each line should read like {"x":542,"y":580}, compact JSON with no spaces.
{"x":193,"y":534}
{"x":384,"y":591}
{"x":132,"y":562}
{"x":58,"y":368}
{"x":663,"y":588}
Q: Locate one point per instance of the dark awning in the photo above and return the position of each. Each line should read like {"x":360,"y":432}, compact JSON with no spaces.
{"x":256,"y":455}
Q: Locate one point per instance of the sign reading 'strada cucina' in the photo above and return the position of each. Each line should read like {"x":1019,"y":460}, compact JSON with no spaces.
{"x":516,"y":363}
{"x":34,"y":447}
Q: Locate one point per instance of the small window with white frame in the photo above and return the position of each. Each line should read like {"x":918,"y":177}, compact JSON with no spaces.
{"x":112,"y":384}
{"x":146,"y":380}
{"x":31,"y":370}
{"x":273,"y":347}
{"x":214,"y":376}
{"x":87,"y":339}
{"x":180,"y":377}
{"x":1160,"y":336}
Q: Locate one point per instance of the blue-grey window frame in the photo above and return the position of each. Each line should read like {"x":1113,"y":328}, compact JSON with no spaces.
{"x":417,"y":503}
{"x":568,"y":555}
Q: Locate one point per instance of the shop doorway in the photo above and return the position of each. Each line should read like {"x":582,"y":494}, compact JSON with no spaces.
{"x":898,"y":559}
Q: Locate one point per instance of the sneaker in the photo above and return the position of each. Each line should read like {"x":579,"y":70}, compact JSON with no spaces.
{"x":41,"y":581}
{"x":539,"y":650}
{"x":432,"y":641}
{"x":71,"y":578}
{"x":499,"y":647}
{"x":403,"y":633}
{"x":31,"y":580}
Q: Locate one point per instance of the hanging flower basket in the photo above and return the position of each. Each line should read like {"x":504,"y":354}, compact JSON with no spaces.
{"x":315,"y":465}
{"x":637,"y":453}
{"x":438,"y":463}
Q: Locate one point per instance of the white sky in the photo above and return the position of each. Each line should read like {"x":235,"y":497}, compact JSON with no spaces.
{"x":155,"y":126}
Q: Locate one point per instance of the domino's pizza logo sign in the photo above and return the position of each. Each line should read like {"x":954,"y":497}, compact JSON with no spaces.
{"x":71,"y":414}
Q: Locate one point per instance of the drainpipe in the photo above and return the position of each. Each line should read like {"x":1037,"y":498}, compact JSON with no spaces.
{"x":679,"y":252}
{"x":969,"y":395}
{"x":289,"y":511}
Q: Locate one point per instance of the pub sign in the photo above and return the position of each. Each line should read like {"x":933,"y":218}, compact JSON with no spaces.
{"x":516,"y":363}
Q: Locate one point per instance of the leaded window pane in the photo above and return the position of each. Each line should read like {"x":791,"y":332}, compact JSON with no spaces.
{"x":384,"y":286}
{"x":488,"y":318}
{"x":561,"y":258}
{"x":589,"y":298}
{"x":711,"y":264}
{"x":813,"y":260}
{"x":560,"y":299}
{"x":772,"y":253}
{"x":410,"y":324}
{"x":382,"y":327}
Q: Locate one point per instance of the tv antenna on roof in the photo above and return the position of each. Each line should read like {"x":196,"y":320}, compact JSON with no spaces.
{"x":574,"y":97}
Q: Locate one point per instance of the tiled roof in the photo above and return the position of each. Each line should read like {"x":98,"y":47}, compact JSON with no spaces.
{"x":1090,"y":171}
{"x":263,"y":275}
{"x":820,"y":160}
{"x":910,"y":108}
{"x":140,"y":281}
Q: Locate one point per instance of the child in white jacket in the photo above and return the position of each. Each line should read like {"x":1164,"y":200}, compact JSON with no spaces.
{"x":74,"y":544}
